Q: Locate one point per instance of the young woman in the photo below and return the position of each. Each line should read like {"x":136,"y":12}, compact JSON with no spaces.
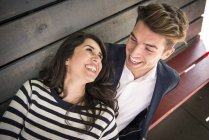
{"x":73,"y":99}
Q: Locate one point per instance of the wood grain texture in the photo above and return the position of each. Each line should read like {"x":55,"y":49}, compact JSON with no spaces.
{"x":47,"y":26}
{"x":39,"y":29}
{"x":13,"y":76}
{"x":190,"y":82}
{"x":178,"y":4}
{"x":193,"y":31}
{"x":13,"y":8}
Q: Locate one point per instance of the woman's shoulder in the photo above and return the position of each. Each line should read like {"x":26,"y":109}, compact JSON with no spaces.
{"x":106,"y":111}
{"x":38,"y":84}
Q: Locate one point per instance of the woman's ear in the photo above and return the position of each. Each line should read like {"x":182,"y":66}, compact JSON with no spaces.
{"x":67,"y":62}
{"x":167,"y":53}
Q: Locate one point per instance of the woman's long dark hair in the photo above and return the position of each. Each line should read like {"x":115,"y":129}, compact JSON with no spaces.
{"x":101,"y":89}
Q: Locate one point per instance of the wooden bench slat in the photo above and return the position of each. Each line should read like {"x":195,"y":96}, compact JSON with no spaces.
{"x":51,"y":24}
{"x":39,"y":29}
{"x":12,"y":8}
{"x":186,"y":58}
{"x":184,"y":90}
{"x":192,"y":11}
{"x":179,"y":4}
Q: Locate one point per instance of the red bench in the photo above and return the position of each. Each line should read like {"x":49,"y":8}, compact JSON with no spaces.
{"x":192,"y":65}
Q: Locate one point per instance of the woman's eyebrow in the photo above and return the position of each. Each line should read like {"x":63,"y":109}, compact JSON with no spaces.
{"x":93,"y":49}
{"x":90,"y":46}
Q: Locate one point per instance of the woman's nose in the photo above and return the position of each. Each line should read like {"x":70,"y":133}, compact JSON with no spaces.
{"x":96,"y":58}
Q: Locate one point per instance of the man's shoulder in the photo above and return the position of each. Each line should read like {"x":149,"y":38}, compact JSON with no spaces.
{"x":116,"y":52}
{"x":166,"y":69}
{"x":115,"y":47}
{"x":167,"y":75}
{"x":116,"y":58}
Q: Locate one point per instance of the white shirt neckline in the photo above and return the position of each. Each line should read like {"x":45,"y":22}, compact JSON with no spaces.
{"x":134,"y":95}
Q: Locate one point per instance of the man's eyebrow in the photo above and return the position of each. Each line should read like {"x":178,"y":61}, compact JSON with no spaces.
{"x":153,"y":46}
{"x":93,"y":49}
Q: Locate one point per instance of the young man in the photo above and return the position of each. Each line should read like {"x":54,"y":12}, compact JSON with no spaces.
{"x":142,"y":77}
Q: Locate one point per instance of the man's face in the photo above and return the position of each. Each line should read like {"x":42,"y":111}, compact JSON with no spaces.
{"x":144,"y":49}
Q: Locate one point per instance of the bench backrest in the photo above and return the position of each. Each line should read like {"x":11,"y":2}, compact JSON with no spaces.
{"x":31,"y":31}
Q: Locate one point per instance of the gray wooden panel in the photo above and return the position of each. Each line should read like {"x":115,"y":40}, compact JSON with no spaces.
{"x":32,"y":32}
{"x":195,"y":9}
{"x":194,"y":30}
{"x":11,"y":8}
{"x":178,"y":3}
{"x":115,"y":28}
{"x":124,"y":41}
{"x":13,"y":76}
{"x":3,"y":106}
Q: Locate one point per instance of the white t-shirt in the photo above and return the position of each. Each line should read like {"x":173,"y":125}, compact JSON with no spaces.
{"x":134,"y":95}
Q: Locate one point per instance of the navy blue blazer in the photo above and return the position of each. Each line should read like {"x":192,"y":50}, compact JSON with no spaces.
{"x":167,"y":79}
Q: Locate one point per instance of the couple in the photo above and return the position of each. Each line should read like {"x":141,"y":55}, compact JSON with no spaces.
{"x":76,"y":98}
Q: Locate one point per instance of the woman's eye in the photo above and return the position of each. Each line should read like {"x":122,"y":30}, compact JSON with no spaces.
{"x":89,"y":49}
{"x":101,"y":57}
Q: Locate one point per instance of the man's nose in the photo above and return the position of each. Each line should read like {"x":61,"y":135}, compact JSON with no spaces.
{"x":137,"y":50}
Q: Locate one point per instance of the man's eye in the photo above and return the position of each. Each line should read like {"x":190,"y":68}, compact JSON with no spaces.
{"x":133,"y":39}
{"x":148,"y":49}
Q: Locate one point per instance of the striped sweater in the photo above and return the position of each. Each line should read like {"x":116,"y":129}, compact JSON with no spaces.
{"x":37,"y":112}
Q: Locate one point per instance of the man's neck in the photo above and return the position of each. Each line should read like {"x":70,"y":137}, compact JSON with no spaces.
{"x":139,"y":74}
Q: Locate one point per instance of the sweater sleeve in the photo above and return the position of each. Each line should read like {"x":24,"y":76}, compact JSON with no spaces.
{"x":12,"y":122}
{"x":111,"y":132}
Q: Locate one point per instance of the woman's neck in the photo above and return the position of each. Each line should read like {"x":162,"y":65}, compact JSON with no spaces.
{"x":73,"y":91}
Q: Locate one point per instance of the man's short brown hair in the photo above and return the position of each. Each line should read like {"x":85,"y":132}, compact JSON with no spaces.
{"x":168,"y":21}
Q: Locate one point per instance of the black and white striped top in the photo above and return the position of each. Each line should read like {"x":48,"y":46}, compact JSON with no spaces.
{"x":36,"y":112}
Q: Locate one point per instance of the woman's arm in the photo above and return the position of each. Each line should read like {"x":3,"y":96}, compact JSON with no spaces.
{"x":12,"y":121}
{"x":111,"y":132}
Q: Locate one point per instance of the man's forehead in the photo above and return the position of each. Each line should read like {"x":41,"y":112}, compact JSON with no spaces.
{"x":150,"y":40}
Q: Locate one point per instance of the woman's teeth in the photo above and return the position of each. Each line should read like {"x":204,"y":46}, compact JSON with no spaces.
{"x":92,"y":68}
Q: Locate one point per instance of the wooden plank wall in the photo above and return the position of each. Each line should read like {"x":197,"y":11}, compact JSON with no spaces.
{"x":31,"y":31}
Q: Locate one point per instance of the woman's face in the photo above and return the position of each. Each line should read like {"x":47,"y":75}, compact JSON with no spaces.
{"x":85,"y":63}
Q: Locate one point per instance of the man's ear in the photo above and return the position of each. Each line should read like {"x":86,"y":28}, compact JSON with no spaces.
{"x":167,"y":53}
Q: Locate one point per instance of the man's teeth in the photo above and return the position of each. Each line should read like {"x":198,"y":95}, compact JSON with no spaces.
{"x":134,"y":60}
{"x":91,"y":67}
